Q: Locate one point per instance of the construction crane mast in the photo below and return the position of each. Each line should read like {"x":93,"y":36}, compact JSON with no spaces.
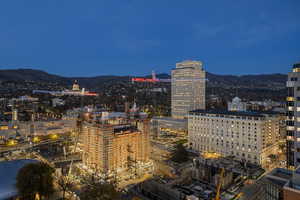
{"x":78,"y":130}
{"x":219,"y":186}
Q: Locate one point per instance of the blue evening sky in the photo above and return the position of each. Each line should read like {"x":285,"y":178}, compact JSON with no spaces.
{"x":133,"y":37}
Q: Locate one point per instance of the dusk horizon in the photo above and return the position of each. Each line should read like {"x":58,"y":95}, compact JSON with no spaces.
{"x":138,"y":74}
{"x":150,"y":100}
{"x":75,"y":39}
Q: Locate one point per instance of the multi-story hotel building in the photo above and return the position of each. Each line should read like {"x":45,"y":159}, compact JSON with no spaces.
{"x":293,"y":117}
{"x":114,"y":148}
{"x":247,"y":136}
{"x":188,"y":88}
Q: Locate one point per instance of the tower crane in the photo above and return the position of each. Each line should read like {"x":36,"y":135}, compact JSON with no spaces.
{"x":77,"y":132}
{"x":220,"y":184}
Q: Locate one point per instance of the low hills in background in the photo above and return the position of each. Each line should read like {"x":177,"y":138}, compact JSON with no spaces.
{"x":272,"y":81}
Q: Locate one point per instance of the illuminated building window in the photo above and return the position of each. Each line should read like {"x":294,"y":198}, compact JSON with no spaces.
{"x":296,"y":70}
{"x":289,"y":137}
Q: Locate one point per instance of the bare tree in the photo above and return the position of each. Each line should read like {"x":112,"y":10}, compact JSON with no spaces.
{"x":64,"y":183}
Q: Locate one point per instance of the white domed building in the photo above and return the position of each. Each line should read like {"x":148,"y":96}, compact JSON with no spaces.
{"x":237,"y":105}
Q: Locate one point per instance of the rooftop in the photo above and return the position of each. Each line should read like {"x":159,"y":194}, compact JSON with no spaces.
{"x":249,"y":191}
{"x":279,"y":176}
{"x":125,"y":128}
{"x":169,"y":119}
{"x":234,"y":113}
{"x":281,"y":173}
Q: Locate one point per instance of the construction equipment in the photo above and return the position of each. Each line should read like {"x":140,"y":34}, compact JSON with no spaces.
{"x":77,"y":132}
{"x":153,"y":79}
{"x":238,"y":196}
{"x":219,"y":186}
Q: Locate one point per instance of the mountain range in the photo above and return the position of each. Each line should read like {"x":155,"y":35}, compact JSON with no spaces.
{"x":271,"y":81}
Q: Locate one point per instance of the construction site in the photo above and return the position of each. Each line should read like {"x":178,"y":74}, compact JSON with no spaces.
{"x":116,"y":148}
{"x":208,"y":176}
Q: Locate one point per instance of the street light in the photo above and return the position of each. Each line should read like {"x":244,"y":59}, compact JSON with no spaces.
{"x":11,"y":143}
{"x":53,"y":136}
{"x":36,"y":139}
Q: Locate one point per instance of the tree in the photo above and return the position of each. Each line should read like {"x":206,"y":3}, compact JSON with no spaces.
{"x":100,"y":191}
{"x":273,"y":157}
{"x":179,"y":154}
{"x":35,"y":178}
{"x":65,"y":184}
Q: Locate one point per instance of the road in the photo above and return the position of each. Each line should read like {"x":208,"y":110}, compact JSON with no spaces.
{"x":26,"y":145}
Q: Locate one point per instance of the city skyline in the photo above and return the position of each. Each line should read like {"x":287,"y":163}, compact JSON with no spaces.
{"x":150,"y":100}
{"x":70,"y":38}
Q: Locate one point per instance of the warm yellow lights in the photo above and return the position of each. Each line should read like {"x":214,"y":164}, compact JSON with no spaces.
{"x":211,"y":155}
{"x":296,"y":70}
{"x":290,"y":98}
{"x":3,"y":127}
{"x":53,"y":136}
{"x":169,"y":130}
{"x":12,"y":143}
{"x":36,"y":139}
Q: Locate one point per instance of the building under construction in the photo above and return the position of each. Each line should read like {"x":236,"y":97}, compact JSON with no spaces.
{"x":110,"y":148}
{"x":208,"y":169}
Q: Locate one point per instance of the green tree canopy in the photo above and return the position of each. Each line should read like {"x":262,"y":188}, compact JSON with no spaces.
{"x":35,"y":178}
{"x":179,"y":154}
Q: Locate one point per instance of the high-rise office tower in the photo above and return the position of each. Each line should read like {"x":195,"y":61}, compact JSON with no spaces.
{"x":293,"y":117}
{"x":188,"y":88}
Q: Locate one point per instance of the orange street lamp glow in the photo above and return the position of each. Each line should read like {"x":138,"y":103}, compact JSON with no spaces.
{"x":36,"y":139}
{"x":53,"y":136}
{"x":11,"y":143}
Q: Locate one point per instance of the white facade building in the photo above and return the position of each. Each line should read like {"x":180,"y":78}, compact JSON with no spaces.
{"x":57,"y":102}
{"x":247,"y":136}
{"x":237,"y":105}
